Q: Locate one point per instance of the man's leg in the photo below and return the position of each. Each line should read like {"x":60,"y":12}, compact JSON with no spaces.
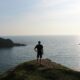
{"x":37,"y":59}
{"x":40,"y":58}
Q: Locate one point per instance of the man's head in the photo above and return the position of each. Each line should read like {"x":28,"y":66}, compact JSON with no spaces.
{"x":39,"y":42}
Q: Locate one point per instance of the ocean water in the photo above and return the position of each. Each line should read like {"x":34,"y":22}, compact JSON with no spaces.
{"x":64,"y":50}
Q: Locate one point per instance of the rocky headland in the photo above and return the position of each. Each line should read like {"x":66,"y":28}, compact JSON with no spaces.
{"x":47,"y":70}
{"x":6,"y":43}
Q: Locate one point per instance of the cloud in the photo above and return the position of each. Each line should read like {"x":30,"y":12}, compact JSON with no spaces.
{"x":59,"y":7}
{"x":42,"y":17}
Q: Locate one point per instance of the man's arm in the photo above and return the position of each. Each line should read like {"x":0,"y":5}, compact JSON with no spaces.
{"x":42,"y":50}
{"x":35,"y":49}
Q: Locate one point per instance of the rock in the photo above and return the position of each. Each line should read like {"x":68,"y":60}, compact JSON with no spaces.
{"x":8,"y":43}
{"x":45,"y":71}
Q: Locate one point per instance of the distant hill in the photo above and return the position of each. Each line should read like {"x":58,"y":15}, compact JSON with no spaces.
{"x":46,"y":71}
{"x":9,"y":43}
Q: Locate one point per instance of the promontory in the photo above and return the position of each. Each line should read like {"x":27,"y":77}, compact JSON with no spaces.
{"x":5,"y":43}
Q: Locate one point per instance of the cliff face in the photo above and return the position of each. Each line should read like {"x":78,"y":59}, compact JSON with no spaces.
{"x":8,"y":43}
{"x":46,"y":71}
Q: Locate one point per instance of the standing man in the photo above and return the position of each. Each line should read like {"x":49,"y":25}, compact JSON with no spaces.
{"x":39,"y":49}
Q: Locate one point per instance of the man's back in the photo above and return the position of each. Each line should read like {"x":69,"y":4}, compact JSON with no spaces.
{"x":39,"y":48}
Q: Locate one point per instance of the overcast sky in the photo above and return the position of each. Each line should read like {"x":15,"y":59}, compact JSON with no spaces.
{"x":39,"y":17}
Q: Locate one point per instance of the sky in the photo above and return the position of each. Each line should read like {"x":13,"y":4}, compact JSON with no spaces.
{"x":39,"y":17}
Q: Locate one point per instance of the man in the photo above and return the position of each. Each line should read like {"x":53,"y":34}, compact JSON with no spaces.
{"x":39,"y":49}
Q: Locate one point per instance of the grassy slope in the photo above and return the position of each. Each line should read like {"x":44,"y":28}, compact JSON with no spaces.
{"x":46,"y":71}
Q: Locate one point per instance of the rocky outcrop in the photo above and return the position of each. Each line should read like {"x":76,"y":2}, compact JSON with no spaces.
{"x":8,"y":43}
{"x":47,"y":70}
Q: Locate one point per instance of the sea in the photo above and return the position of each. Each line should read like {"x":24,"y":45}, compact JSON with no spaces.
{"x":64,"y":50}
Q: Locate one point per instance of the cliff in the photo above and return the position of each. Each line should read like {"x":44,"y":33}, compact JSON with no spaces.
{"x":8,"y":43}
{"x":46,"y":71}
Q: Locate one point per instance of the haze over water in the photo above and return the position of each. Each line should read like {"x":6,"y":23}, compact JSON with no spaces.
{"x":61,"y":49}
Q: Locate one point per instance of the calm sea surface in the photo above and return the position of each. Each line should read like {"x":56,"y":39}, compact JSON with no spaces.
{"x":61,"y":49}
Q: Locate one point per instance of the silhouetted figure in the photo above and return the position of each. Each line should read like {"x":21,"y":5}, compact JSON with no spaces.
{"x":39,"y":49}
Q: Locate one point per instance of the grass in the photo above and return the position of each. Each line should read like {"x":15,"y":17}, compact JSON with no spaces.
{"x":33,"y":71}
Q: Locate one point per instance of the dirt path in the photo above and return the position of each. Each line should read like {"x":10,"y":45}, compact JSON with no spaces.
{"x":52,"y":65}
{"x":47,"y":63}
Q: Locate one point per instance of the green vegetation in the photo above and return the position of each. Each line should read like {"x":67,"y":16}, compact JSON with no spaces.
{"x":46,"y":71}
